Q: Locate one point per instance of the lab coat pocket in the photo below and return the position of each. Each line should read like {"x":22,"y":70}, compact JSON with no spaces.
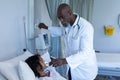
{"x":75,"y":35}
{"x":75,"y":43}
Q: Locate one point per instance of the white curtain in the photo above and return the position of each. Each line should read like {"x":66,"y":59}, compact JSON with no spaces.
{"x":83,"y":7}
{"x":52,"y":6}
{"x":56,"y":48}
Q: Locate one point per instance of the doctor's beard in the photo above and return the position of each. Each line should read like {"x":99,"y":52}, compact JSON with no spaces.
{"x":65,"y":25}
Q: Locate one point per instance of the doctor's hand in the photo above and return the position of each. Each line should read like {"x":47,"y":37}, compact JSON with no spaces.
{"x":58,"y":62}
{"x":42,"y":25}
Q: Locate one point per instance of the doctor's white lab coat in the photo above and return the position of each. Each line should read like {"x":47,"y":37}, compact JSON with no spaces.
{"x":79,"y":50}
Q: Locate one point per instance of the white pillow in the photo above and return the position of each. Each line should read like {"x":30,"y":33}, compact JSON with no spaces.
{"x":25,"y":71}
{"x":9,"y":68}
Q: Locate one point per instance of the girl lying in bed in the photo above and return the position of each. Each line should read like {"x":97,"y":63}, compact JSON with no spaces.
{"x":38,"y":66}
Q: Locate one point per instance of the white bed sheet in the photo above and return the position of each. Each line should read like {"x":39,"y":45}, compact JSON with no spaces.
{"x":108,"y":64}
{"x":111,"y":60}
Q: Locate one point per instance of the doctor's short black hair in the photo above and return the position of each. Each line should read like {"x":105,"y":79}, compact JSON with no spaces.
{"x":63,"y":5}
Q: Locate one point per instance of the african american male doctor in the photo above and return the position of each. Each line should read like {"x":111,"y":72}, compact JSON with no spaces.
{"x":78,"y":36}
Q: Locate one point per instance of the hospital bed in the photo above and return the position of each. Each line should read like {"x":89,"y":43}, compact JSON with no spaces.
{"x":108,"y":64}
{"x":13,"y":69}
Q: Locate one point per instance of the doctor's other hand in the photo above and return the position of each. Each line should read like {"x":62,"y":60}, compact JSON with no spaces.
{"x":58,"y":62}
{"x":42,"y":25}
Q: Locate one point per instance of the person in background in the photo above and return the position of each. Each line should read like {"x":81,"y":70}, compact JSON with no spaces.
{"x":38,"y":66}
{"x":78,"y":37}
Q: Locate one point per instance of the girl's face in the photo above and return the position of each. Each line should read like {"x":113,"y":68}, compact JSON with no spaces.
{"x":42,"y":62}
{"x":41,"y":68}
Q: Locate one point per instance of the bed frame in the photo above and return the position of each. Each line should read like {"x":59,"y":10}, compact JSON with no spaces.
{"x":108,"y":64}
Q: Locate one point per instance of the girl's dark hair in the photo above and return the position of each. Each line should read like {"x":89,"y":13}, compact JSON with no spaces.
{"x":33,"y":62}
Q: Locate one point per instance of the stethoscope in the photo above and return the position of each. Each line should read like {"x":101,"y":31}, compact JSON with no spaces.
{"x":72,"y":35}
{"x":75,"y":35}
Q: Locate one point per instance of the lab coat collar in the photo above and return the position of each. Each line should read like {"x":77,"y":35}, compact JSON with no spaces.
{"x":76,"y":21}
